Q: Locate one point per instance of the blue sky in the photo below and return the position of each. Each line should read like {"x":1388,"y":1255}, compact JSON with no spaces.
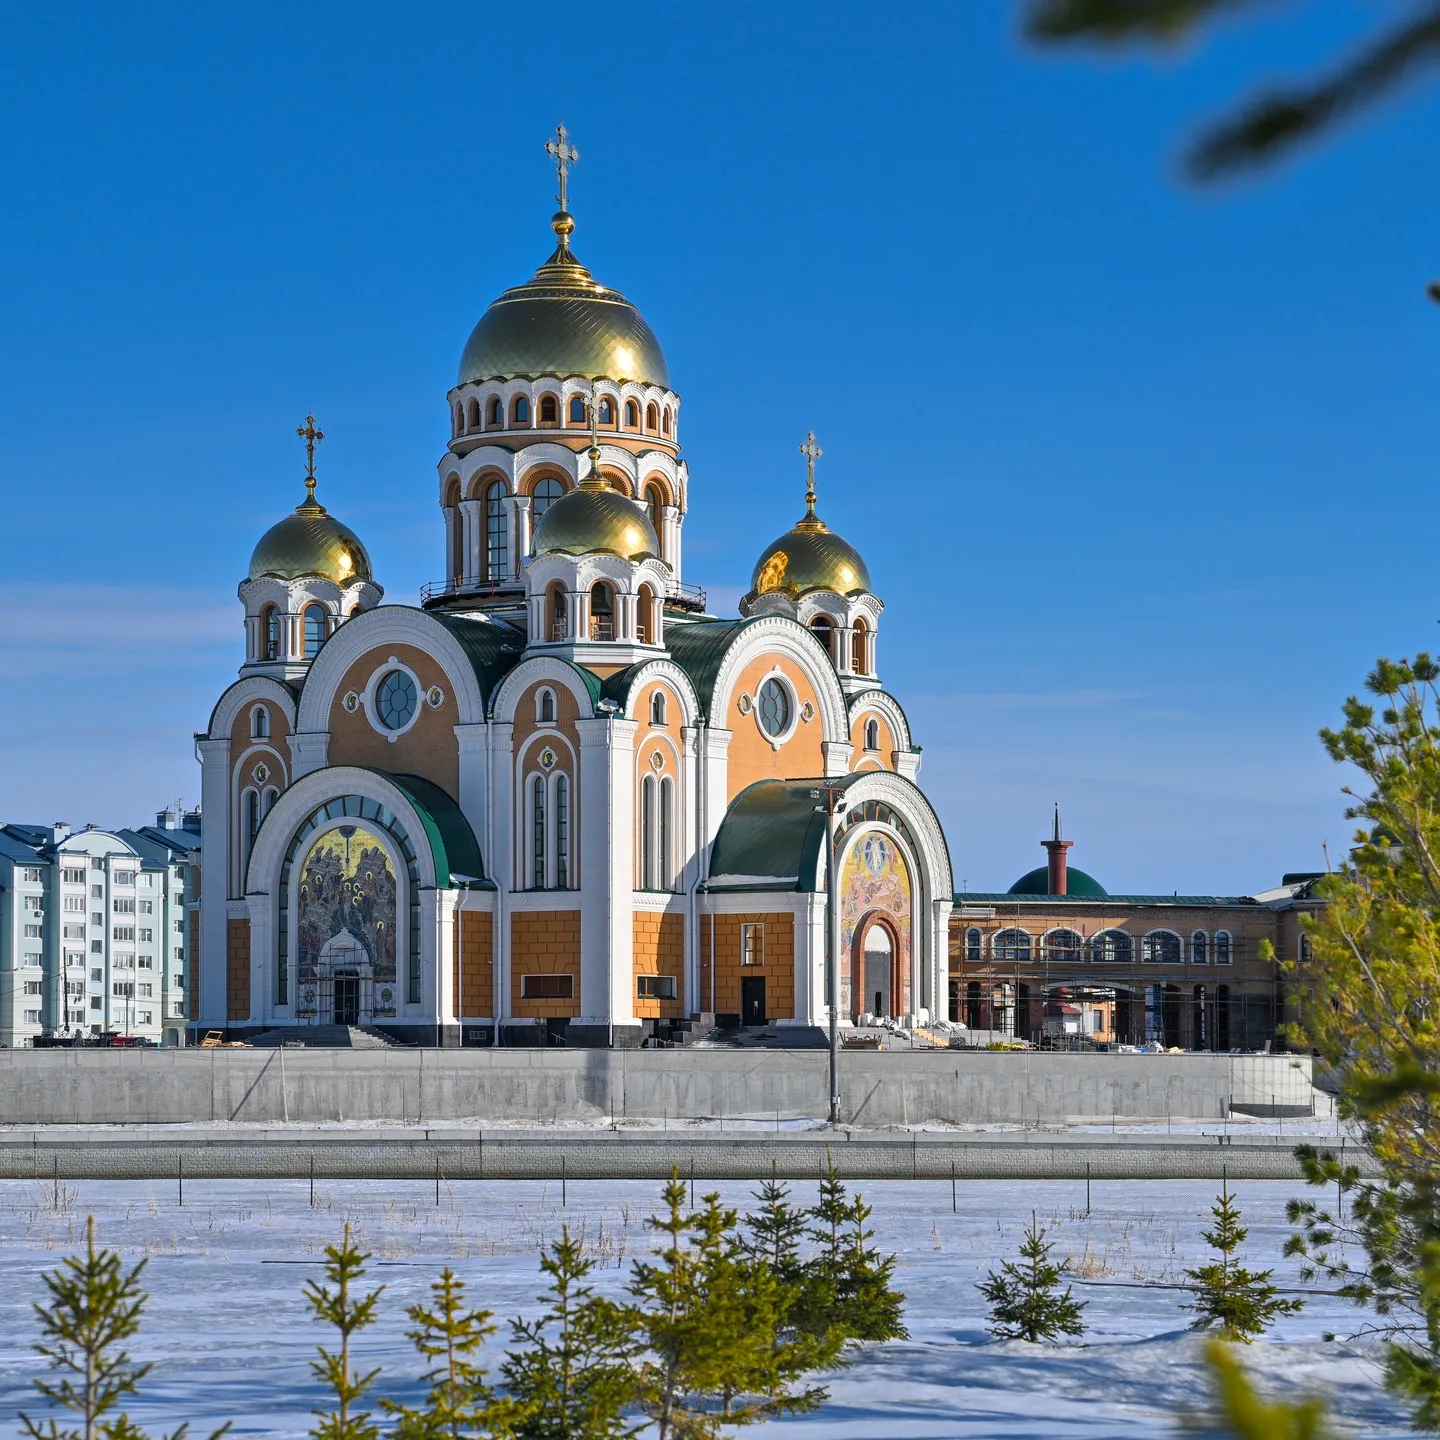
{"x":1145,"y":476}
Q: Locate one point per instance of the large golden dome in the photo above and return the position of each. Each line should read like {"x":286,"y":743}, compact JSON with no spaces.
{"x":562,"y":323}
{"x":311,"y":541}
{"x":807,"y":558}
{"x":593,"y":519}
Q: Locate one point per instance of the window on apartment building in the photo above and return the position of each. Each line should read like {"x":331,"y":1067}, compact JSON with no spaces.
{"x":97,"y":862}
{"x":74,"y":958}
{"x":124,"y":877}
{"x":144,"y":991}
{"x":752,"y":944}
{"x":97,"y":917}
{"x":95,"y":1003}
{"x":73,"y":877}
{"x":145,"y":936}
{"x":655,"y":987}
{"x":124,"y":962}
{"x":179,"y":952}
{"x":147,"y":880}
{"x":144,"y":1018}
{"x":547,"y":987}
{"x":34,"y":932}
{"x":121,"y":989}
{"x":73,"y":932}
{"x":124,"y":907}
{"x":179,"y":927}
{"x":75,"y":989}
{"x":97,"y":892}
{"x":123,"y":932}
{"x":32,"y":959}
{"x":34,"y":987}
{"x":145,"y":963}
{"x":97,"y":947}
{"x":34,"y":903}
{"x":32,"y":1017}
{"x":147,"y":907}
{"x":76,"y":1017}
{"x":30,"y":875}
{"x":75,"y":904}
{"x":178,"y":980}
{"x":97,"y":976}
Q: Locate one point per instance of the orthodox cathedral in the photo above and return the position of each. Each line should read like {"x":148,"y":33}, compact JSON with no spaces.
{"x":559,"y":800}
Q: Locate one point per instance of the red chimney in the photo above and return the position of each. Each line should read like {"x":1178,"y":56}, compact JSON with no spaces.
{"x":1056,"y":849}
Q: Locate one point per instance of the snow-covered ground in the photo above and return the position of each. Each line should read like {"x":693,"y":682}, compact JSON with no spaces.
{"x":230,"y":1334}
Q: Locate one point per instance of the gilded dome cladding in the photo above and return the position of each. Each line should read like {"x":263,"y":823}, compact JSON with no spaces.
{"x":810,"y":557}
{"x":311,"y":541}
{"x":596,"y":520}
{"x":562,"y":323}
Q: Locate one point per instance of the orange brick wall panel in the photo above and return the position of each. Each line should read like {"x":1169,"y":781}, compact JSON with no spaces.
{"x":751,"y":756}
{"x":778,"y":968}
{"x":475,"y":965}
{"x":427,"y":749}
{"x":237,"y":970}
{"x":544,"y":942}
{"x":659,"y":942}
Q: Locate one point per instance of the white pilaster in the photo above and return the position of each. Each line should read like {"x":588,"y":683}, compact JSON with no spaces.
{"x":471,"y":539}
{"x":308,"y":752}
{"x":208,"y":968}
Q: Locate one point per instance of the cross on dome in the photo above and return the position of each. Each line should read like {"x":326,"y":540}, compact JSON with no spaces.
{"x":312,"y":437}
{"x":565,"y":155}
{"x":812,"y":452}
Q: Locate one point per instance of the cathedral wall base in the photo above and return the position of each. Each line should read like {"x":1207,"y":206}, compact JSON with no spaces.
{"x":598,"y":1035}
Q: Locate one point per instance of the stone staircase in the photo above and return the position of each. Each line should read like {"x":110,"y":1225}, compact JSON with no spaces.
{"x":326,"y":1037}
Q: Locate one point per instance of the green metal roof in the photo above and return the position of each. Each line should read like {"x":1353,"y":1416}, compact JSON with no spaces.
{"x":492,"y":649}
{"x":1077,"y":883}
{"x":452,"y":841}
{"x":698,"y":647}
{"x":773,"y":831}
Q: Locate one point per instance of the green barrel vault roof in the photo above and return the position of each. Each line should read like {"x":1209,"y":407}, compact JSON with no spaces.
{"x":452,"y":842}
{"x":493,"y":650}
{"x":773,"y":831}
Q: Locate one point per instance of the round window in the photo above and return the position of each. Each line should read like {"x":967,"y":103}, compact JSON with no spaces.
{"x":774,"y":706}
{"x":396,"y":700}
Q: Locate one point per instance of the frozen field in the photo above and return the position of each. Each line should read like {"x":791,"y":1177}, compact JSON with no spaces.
{"x":231,"y":1336}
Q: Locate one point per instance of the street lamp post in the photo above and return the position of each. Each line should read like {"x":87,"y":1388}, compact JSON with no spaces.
{"x":833,"y":807}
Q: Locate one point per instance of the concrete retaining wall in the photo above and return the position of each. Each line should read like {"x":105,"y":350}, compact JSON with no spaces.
{"x":63,"y":1087}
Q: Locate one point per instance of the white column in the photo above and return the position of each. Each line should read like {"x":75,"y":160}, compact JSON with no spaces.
{"x":501,"y":860}
{"x":674,"y":519}
{"x":452,"y":520}
{"x":444,"y":968}
{"x":472,"y":540}
{"x":607,"y":789}
{"x":520,"y":533}
{"x":474,"y":743}
{"x":837,"y":756}
{"x":208,"y":968}
{"x":262,"y":953}
{"x":812,"y":1005}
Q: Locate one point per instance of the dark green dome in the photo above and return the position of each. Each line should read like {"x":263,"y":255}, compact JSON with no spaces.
{"x":1077,"y":882}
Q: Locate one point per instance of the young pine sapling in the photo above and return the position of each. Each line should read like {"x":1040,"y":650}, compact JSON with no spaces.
{"x":337,"y":1306}
{"x":1240,"y":1304}
{"x":1026,"y":1302}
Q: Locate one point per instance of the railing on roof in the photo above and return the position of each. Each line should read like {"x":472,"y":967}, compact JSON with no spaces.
{"x":468,"y":585}
{"x":685,"y":597}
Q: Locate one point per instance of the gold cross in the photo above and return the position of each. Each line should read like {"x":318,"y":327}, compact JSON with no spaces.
{"x":565,"y":155}
{"x":812,"y":452}
{"x":594,"y":474}
{"x":312,"y":437}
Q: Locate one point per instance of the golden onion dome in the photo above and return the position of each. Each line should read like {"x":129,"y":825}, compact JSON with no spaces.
{"x":594,"y":519}
{"x":807,"y":558}
{"x":311,"y":541}
{"x":562,"y":323}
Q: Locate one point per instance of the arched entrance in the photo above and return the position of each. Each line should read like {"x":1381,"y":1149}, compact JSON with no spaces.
{"x":875,"y":928}
{"x":875,"y":970}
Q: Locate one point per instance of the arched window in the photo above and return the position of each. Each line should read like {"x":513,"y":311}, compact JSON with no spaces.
{"x":549,"y":410}
{"x":1012,"y":945}
{"x":1200,"y":948}
{"x":457,"y":419}
{"x":824,"y":630}
{"x":555,"y":621}
{"x":260,"y":723}
{"x":1304,"y":951}
{"x":537,"y":833}
{"x":314,"y":630}
{"x":872,"y":735}
{"x":667,"y":808}
{"x":1112,"y":947}
{"x":860,"y":656}
{"x":665,"y":422}
{"x":657,"y":708}
{"x":1224,"y":951}
{"x":607,"y":411}
{"x":252,"y":828}
{"x":520,"y":411}
{"x":655,"y":508}
{"x":1160,"y":947}
{"x":647,"y":833}
{"x":542,"y":497}
{"x":644,"y":612}
{"x":473,"y":413}
{"x":497,"y":532}
{"x":652,"y":417}
{"x":497,"y":413}
{"x":577,"y":409}
{"x":268,"y":799}
{"x":602,"y":612}
{"x":545,"y":707}
{"x":270,"y":632}
{"x":632,"y":415}
{"x":974,"y":944}
{"x":1067,"y":946}
{"x":562,"y":832}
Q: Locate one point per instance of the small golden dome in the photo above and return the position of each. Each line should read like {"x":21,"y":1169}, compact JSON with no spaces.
{"x":594,"y":519}
{"x":311,"y":541}
{"x":562,"y":323}
{"x":807,"y":558}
